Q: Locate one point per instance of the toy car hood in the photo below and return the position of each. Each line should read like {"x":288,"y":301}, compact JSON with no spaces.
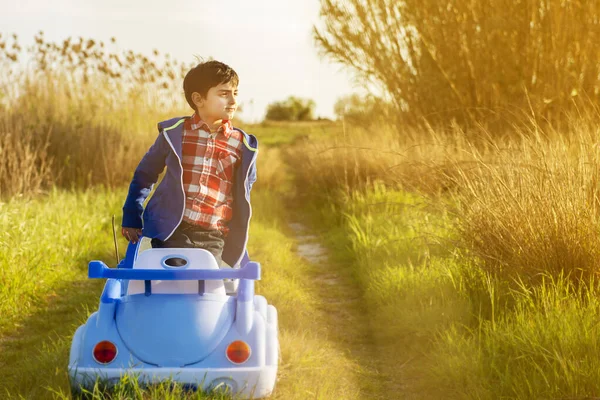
{"x":167,"y":333}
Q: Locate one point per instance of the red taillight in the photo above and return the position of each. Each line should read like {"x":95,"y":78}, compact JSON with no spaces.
{"x":105,"y":352}
{"x":238,"y":352}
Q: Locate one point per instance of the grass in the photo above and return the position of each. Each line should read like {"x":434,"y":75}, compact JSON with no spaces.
{"x":49,"y":295}
{"x":45,"y":294}
{"x":444,"y":328}
{"x":79,"y":113}
{"x":393,"y":242}
{"x":46,"y":242}
{"x":284,"y":133}
{"x":546,"y":347}
{"x":477,"y":259}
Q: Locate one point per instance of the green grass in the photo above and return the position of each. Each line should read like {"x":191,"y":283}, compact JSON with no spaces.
{"x":45,"y":294}
{"x":546,"y":346}
{"x":280,"y":134}
{"x":443,"y":327}
{"x":45,"y":245}
{"x":393,"y":242}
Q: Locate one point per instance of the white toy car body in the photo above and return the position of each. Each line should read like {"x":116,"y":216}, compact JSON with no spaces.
{"x":157,"y":321}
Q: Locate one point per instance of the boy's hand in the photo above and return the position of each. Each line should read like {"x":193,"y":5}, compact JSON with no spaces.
{"x":131,"y":234}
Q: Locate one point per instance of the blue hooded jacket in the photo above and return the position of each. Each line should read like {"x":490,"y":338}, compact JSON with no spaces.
{"x":164,"y":211}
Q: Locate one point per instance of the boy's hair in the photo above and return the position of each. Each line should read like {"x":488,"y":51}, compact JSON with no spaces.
{"x":206,"y":75}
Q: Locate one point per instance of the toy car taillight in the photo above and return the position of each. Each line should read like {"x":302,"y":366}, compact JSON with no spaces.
{"x":238,"y":352}
{"x":105,"y":352}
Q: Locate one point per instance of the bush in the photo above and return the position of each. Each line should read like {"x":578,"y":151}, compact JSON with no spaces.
{"x":292,"y":109}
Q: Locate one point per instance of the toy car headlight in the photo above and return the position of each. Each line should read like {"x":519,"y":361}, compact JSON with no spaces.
{"x":105,"y":352}
{"x":238,"y":352}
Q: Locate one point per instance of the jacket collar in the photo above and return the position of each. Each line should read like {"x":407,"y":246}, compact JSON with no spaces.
{"x":196,"y":123}
{"x":176,"y":125}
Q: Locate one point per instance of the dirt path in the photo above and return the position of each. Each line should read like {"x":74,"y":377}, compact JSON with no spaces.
{"x":340,"y":301}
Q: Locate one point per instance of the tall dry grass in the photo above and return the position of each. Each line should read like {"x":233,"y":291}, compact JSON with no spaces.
{"x":80,"y":113}
{"x":25,"y":166}
{"x":354,"y":157}
{"x":482,"y":283}
{"x":531,"y":207}
{"x":527,"y":203}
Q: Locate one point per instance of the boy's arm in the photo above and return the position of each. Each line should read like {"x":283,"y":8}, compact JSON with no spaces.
{"x":145,"y":176}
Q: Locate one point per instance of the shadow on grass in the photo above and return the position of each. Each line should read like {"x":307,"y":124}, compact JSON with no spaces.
{"x":34,"y":357}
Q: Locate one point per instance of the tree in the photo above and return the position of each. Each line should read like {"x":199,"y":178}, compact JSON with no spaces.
{"x":467,"y":59}
{"x":291,"y":109}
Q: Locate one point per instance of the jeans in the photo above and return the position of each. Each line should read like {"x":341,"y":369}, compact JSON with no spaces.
{"x":188,"y":235}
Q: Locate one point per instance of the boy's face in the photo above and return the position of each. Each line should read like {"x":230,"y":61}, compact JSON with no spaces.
{"x":220,"y":102}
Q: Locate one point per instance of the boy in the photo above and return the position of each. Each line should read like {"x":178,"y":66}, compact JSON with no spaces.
{"x":204,"y":198}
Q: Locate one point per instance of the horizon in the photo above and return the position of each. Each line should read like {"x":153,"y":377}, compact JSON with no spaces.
{"x":273,"y":53}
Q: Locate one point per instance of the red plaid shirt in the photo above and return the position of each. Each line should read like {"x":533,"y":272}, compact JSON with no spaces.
{"x":208,"y":165}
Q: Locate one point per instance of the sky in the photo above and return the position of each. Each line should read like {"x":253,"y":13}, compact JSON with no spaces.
{"x":267,"y":42}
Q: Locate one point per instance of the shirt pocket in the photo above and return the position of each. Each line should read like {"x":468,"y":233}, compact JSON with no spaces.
{"x":226,"y":162}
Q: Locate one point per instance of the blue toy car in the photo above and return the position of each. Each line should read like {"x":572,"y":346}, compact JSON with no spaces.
{"x":165,"y":314}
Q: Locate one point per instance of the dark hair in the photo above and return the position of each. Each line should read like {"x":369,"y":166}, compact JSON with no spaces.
{"x":206,"y":75}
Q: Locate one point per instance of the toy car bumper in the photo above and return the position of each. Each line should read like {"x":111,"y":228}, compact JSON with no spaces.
{"x":250,"y":382}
